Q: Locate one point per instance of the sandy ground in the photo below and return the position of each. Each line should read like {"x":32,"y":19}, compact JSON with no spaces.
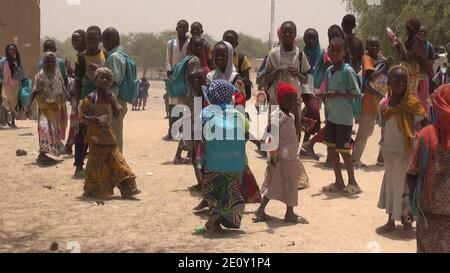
{"x":44,"y":205}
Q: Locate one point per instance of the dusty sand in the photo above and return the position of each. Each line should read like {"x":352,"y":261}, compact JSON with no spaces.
{"x":44,"y":205}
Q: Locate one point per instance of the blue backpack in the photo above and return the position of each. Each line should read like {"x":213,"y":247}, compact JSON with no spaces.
{"x":176,"y":86}
{"x":226,"y":154}
{"x":129,"y":87}
{"x":356,"y":102}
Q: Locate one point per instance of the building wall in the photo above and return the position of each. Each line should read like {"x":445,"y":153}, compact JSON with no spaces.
{"x":20,"y":23}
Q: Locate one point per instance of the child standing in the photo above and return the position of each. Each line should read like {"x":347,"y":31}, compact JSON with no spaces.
{"x":371,"y":98}
{"x":284,"y":170}
{"x":106,"y":167}
{"x":223,"y":170}
{"x":402,"y":110}
{"x":240,"y":61}
{"x":341,"y":88}
{"x":314,"y":52}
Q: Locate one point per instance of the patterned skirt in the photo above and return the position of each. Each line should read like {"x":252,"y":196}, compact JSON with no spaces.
{"x":433,"y":234}
{"x":106,"y":169}
{"x":224,"y":198}
{"x":49,"y":131}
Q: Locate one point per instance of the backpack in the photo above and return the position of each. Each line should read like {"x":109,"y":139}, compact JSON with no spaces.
{"x":176,"y":86}
{"x":378,"y":86}
{"x":356,"y":102}
{"x":247,"y":82}
{"x":129,"y":87}
{"x":225,"y":155}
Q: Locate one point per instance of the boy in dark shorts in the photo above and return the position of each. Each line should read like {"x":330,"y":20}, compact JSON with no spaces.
{"x":342,"y":88}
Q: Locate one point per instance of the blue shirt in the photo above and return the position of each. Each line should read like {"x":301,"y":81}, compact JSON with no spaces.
{"x":339,"y":110}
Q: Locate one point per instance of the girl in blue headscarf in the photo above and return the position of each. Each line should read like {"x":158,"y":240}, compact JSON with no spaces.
{"x":222,"y":187}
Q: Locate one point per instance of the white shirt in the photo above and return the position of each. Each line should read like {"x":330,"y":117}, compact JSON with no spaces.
{"x":174,"y":53}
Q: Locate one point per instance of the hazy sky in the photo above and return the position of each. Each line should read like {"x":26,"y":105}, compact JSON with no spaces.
{"x":61,"y":17}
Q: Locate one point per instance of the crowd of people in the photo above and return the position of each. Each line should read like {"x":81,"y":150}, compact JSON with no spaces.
{"x":352,"y":80}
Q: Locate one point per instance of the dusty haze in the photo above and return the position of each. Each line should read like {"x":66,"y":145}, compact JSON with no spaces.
{"x":61,"y":17}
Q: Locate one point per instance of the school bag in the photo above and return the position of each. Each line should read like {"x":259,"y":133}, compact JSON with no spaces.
{"x":176,"y":86}
{"x":129,"y":87}
{"x":225,"y":155}
{"x":377,"y":86}
{"x":356,"y":102}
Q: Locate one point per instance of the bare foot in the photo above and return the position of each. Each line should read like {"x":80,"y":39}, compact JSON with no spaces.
{"x":390,"y":226}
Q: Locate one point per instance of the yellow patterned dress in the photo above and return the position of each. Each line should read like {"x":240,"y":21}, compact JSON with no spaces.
{"x":106,"y":167}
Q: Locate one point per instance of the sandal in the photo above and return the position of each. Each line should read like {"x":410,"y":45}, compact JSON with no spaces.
{"x":261,"y":218}
{"x":352,"y":190}
{"x":296,"y":220}
{"x":331,"y":188}
{"x":182,"y":161}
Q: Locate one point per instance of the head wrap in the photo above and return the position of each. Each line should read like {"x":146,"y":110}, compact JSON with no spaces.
{"x":441,"y":106}
{"x":284,"y":89}
{"x":404,"y":112}
{"x":102,"y":70}
{"x":230,"y":71}
{"x":220,"y":92}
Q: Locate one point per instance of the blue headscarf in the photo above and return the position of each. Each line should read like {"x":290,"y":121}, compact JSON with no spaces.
{"x":315,"y":53}
{"x":220,"y":92}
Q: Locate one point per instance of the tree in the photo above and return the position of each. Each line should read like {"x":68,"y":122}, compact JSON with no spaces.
{"x":252,"y":47}
{"x":373,"y":19}
{"x":146,"y":49}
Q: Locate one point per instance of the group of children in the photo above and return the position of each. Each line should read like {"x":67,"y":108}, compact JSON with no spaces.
{"x":354,"y":84}
{"x":97,"y":91}
{"x":211,"y":85}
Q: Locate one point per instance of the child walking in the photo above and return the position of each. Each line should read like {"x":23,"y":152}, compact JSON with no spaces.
{"x":106,"y":167}
{"x":341,"y":88}
{"x":284,"y":169}
{"x":399,"y":117}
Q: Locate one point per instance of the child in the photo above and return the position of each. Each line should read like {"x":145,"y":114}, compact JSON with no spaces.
{"x":176,"y":51}
{"x":12,"y":74}
{"x":284,"y":170}
{"x":355,"y":47}
{"x":225,"y":70}
{"x":50,"y":46}
{"x":240,"y":61}
{"x":286,"y":63}
{"x":223,"y":60}
{"x":371,"y":98}
{"x":79,"y":45}
{"x":84,"y":84}
{"x":191,"y":62}
{"x":50,"y":90}
{"x":399,"y":117}
{"x":341,"y":89}
{"x":106,"y":167}
{"x":314,"y":52}
{"x":197,"y":31}
{"x":197,"y":79}
{"x":223,"y":170}
{"x":319,"y":72}
{"x":415,"y":55}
